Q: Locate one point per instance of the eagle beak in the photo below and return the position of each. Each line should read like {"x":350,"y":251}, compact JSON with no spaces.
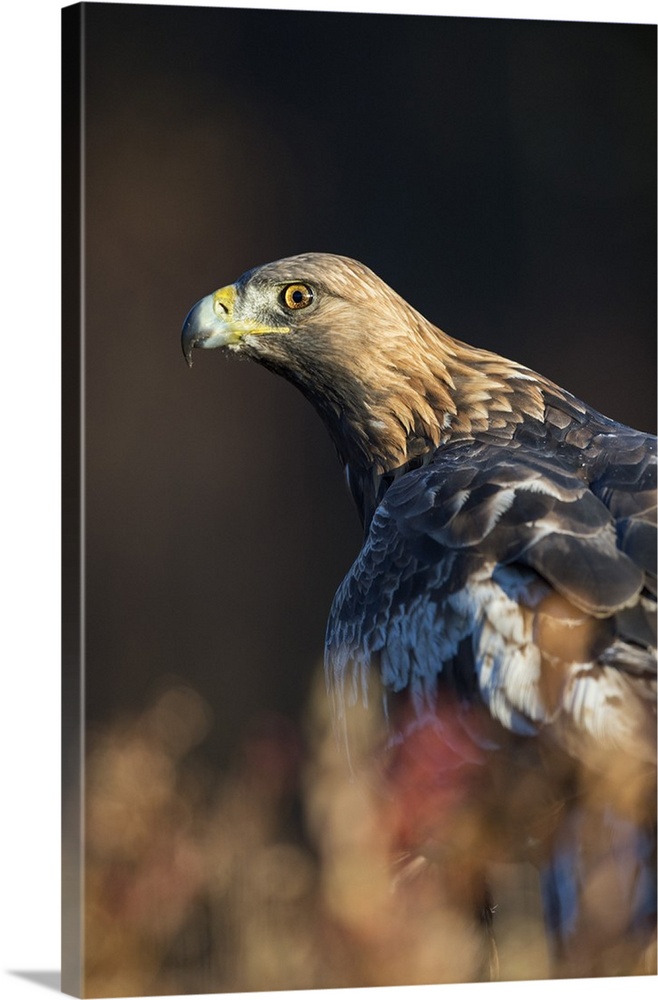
{"x":210,"y":323}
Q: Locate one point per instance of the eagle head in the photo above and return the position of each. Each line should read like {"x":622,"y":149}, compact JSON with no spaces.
{"x":304,"y":315}
{"x":388,"y":383}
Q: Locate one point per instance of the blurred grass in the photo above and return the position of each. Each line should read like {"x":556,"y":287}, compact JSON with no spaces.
{"x":274,"y":873}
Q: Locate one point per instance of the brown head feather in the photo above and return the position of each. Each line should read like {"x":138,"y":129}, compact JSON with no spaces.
{"x":389,"y":384}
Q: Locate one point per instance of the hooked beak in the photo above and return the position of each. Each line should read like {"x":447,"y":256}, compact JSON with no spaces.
{"x":211,"y":323}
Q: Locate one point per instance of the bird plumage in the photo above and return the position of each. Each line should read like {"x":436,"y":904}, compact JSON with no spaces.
{"x":505,"y":592}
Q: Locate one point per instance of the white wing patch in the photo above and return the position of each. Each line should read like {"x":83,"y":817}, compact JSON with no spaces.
{"x":598,"y":711}
{"x":507,"y":661}
{"x":599,"y":702}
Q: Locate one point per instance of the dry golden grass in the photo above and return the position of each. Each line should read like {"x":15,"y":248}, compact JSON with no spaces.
{"x":276,"y":873}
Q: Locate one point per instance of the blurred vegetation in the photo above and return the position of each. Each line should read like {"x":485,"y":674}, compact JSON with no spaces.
{"x":275,"y":872}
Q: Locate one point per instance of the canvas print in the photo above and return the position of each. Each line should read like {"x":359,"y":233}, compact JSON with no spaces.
{"x":359,"y":500}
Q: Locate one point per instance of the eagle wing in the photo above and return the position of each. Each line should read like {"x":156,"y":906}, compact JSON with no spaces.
{"x":522,"y":586}
{"x":514,"y":579}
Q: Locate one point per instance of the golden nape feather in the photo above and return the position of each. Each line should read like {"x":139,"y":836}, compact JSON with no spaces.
{"x":502,"y":605}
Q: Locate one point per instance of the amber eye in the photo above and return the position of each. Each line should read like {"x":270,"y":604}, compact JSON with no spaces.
{"x":297,"y":296}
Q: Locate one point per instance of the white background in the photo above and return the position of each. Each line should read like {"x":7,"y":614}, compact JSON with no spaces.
{"x":30,"y":483}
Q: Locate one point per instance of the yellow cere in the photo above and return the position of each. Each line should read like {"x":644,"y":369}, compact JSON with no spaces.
{"x":223,"y":303}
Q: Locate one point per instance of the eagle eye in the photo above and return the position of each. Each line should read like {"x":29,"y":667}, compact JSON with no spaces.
{"x":297,"y":296}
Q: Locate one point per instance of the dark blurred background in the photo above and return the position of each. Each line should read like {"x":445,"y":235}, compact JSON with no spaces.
{"x":499,"y":174}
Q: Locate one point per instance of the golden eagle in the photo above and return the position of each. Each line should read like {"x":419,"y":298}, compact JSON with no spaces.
{"x":505,"y":593}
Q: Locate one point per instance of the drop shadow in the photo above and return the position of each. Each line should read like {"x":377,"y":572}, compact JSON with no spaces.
{"x":49,"y":980}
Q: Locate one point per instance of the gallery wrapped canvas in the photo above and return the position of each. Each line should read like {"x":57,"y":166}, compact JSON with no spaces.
{"x":441,"y":230}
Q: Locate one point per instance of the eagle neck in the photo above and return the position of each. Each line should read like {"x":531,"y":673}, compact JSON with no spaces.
{"x":445,"y":391}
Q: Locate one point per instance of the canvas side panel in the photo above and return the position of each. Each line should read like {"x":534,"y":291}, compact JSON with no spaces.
{"x":72,"y":498}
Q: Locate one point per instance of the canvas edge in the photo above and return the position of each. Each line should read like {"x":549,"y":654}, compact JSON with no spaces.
{"x":72,"y":709}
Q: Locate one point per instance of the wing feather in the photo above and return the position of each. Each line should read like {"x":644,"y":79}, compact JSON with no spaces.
{"x":509,"y":577}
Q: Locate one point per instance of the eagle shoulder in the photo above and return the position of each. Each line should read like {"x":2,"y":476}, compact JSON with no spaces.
{"x":508,"y":578}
